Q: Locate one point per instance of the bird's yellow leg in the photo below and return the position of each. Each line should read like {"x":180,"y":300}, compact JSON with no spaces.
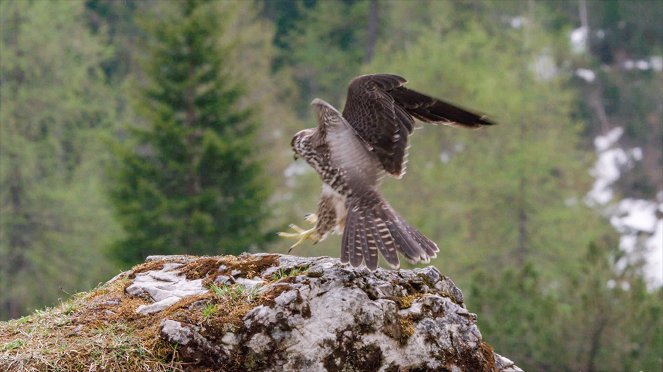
{"x":300,"y":234}
{"x":312,"y":218}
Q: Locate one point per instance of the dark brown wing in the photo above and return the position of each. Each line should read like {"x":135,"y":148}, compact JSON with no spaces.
{"x":382,"y":112}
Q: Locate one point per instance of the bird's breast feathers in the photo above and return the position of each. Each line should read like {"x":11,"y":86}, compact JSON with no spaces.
{"x":340,"y":206}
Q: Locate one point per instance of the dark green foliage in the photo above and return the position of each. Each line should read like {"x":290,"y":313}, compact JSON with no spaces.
{"x":593,"y":320}
{"x":189,"y":181}
{"x":621,"y":35}
{"x":511,"y":192}
{"x":505,"y":204}
{"x":285,"y":14}
{"x":54,"y":109}
{"x":325,"y":47}
{"x":114,"y":21}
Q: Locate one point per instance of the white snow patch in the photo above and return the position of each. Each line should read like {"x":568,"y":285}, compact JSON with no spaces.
{"x":638,"y":221}
{"x":653,"y":63}
{"x":635,"y":215}
{"x":636,"y":153}
{"x":606,"y":171}
{"x":612,"y":160}
{"x":586,"y":74}
{"x":654,"y":245}
{"x":517,"y":22}
{"x":604,"y":142}
{"x":544,"y":67}
{"x":579,"y":40}
{"x":641,"y":228}
{"x":642,"y":65}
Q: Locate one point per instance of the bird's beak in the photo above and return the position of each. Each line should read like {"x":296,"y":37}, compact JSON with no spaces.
{"x":295,"y":157}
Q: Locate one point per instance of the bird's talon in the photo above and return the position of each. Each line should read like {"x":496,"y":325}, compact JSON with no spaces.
{"x":296,"y":228}
{"x":301,"y":235}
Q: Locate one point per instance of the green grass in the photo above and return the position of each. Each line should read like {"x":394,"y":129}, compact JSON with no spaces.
{"x":100,"y":330}
{"x":11,"y":345}
{"x":209,"y":310}
{"x":286,"y":273}
{"x":235,"y":292}
{"x":232,"y":291}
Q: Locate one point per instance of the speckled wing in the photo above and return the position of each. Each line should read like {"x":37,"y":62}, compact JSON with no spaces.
{"x":382,"y":113}
{"x":371,"y":225}
{"x":349,"y":153}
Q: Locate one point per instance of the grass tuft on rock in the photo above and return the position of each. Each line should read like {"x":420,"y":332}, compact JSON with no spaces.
{"x":101,"y":330}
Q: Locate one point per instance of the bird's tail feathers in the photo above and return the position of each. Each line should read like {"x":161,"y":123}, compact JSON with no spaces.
{"x":372,"y":225}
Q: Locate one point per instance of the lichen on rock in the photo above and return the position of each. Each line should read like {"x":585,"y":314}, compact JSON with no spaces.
{"x":269,"y":312}
{"x":330,"y":316}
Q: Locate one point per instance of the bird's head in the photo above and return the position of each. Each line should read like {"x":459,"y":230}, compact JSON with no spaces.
{"x":300,"y":143}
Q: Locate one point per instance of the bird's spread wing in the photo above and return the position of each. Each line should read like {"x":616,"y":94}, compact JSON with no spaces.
{"x":348,"y":151}
{"x":382,"y":112}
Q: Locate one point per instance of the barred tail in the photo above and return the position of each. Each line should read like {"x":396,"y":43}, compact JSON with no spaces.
{"x":372,"y":225}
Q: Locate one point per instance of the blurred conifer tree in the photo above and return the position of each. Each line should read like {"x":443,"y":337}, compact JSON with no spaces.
{"x":188,"y":180}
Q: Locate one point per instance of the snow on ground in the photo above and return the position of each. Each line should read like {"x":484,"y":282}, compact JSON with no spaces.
{"x":641,"y":236}
{"x":653,"y":63}
{"x":586,"y":74}
{"x":605,"y":141}
{"x":656,"y":63}
{"x":579,"y":40}
{"x":611,"y":162}
{"x":638,"y":221}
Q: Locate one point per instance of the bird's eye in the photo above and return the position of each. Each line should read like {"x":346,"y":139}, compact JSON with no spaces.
{"x":295,"y":156}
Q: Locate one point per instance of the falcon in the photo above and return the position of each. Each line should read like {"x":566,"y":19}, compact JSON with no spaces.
{"x":352,"y":151}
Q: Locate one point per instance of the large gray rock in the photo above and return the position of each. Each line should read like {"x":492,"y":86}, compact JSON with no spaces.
{"x":316,"y":314}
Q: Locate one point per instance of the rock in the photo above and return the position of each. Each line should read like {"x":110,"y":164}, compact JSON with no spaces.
{"x":224,"y":280}
{"x":250,"y":284}
{"x":255,"y":312}
{"x":165,"y":287}
{"x":194,"y":346}
{"x":314,"y":314}
{"x":505,"y":364}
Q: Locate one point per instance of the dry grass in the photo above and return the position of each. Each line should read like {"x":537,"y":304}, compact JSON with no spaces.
{"x":101,"y":331}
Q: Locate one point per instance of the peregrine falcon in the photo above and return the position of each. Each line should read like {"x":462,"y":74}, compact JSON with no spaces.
{"x":352,"y":151}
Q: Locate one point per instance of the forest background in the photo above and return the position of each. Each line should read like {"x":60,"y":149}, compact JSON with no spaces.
{"x":130,"y":128}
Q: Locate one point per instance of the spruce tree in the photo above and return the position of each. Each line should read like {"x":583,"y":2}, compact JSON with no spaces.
{"x":188,"y":180}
